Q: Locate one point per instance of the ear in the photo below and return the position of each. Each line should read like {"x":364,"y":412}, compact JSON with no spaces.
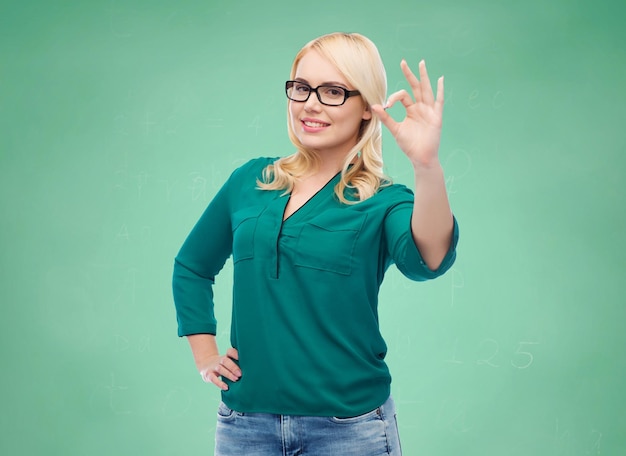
{"x":367,"y":113}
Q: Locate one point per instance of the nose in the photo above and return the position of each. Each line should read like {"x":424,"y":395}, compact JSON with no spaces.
{"x":313,"y":103}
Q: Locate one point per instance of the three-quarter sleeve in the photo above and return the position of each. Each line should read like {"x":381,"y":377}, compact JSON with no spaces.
{"x":199,"y":260}
{"x":401,"y":246}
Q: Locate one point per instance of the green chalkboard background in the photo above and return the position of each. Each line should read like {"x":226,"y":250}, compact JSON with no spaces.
{"x":120,"y":119}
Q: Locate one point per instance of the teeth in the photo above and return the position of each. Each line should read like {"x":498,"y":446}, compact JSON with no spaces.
{"x":315,"y":124}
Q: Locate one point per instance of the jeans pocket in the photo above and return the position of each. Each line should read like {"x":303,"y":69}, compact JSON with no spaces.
{"x":371,"y":415}
{"x":224,"y":412}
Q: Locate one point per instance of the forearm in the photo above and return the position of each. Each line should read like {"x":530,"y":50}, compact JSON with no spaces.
{"x":210,"y":364}
{"x":204,"y":349}
{"x":431,"y":222}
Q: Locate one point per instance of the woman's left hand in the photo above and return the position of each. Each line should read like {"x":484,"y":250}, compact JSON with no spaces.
{"x":418,"y":135}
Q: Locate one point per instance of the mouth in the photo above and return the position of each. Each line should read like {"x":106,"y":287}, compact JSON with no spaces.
{"x":311,"y":124}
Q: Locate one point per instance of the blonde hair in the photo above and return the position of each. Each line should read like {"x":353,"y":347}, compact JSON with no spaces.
{"x":357,"y":58}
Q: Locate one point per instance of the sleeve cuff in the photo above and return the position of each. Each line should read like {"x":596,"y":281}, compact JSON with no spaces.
{"x":414,"y":266}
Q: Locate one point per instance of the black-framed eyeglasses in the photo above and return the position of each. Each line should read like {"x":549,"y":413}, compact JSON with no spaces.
{"x":329,"y":95}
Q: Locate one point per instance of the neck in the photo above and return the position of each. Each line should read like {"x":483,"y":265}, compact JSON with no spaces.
{"x":330,"y":164}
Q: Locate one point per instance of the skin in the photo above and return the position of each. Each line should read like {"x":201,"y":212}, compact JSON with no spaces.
{"x":417,"y":135}
{"x":332,"y":142}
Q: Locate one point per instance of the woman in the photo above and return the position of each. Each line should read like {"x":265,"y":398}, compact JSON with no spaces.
{"x":312,"y":235}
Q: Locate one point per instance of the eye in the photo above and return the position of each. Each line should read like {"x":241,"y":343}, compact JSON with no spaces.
{"x":300,"y":87}
{"x":334,"y":92}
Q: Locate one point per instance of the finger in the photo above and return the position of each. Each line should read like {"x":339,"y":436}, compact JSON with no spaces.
{"x":426,"y":88}
{"x":232,"y":353}
{"x":210,"y":376}
{"x":214,"y":378}
{"x":229,"y":369}
{"x":412,"y":80}
{"x":402,"y":96}
{"x":223,"y":371}
{"x":440,"y":98}
{"x":384,"y":117}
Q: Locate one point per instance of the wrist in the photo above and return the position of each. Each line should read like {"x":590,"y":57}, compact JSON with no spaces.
{"x":427,"y":167}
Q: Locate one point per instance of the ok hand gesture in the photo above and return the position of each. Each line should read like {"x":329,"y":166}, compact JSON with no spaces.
{"x":418,"y":135}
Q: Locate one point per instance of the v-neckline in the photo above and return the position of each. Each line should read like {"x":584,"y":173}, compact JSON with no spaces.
{"x":306,"y":204}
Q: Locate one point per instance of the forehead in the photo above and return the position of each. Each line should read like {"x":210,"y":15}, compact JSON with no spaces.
{"x":316,"y":69}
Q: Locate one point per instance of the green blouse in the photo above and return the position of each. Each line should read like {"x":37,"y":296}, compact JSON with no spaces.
{"x":305,"y":295}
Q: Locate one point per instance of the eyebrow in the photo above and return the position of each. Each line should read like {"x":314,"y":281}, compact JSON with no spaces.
{"x":333,"y":83}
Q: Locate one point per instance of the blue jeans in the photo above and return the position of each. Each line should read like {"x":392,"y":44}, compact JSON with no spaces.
{"x":374,"y":433}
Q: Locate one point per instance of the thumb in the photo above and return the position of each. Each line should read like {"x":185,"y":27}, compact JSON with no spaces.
{"x":384,"y":117}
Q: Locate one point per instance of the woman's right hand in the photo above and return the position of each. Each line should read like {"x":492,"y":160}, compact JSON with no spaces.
{"x":222,"y":366}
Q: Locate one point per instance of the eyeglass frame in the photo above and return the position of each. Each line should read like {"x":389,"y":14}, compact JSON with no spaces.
{"x":347,"y":93}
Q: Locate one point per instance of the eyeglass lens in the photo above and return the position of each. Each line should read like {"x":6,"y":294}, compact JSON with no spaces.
{"x":331,"y":95}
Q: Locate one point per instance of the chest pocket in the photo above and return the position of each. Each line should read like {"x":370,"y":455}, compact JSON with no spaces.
{"x":244,"y":223}
{"x":327,"y":243}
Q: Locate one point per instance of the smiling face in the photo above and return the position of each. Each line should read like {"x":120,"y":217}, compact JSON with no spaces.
{"x":327,"y":130}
